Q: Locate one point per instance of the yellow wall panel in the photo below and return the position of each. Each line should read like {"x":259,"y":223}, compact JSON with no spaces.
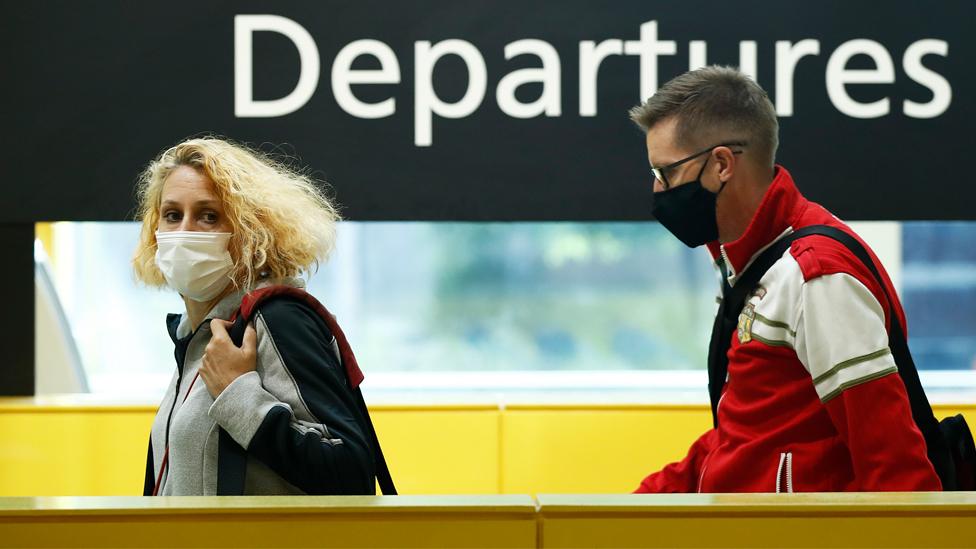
{"x":73,"y":452}
{"x":440,"y":451}
{"x":100,"y":450}
{"x":968,"y":411}
{"x":593,"y":450}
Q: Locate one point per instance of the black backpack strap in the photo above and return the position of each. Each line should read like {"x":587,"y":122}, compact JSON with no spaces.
{"x":726,"y":320}
{"x":734,"y":300}
{"x":231,"y":466}
{"x":231,"y":457}
{"x":383,"y":476}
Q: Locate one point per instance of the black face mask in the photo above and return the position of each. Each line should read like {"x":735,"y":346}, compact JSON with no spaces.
{"x":688,"y":211}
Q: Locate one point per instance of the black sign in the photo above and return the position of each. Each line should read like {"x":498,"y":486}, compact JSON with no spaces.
{"x":470,"y":110}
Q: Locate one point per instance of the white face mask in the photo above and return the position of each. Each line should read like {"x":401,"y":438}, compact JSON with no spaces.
{"x":194,"y":263}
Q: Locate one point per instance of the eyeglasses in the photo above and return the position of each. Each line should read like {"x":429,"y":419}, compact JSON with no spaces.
{"x":659,"y":173}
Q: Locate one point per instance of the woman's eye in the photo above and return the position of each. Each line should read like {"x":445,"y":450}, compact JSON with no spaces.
{"x":210,"y":217}
{"x":172,"y":217}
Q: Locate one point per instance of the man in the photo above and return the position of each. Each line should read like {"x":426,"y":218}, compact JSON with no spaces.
{"x":813,"y":400}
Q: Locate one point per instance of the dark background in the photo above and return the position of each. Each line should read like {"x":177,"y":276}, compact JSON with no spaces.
{"x":93,"y":90}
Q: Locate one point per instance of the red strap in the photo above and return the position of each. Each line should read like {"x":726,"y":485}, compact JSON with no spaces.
{"x":251,"y":301}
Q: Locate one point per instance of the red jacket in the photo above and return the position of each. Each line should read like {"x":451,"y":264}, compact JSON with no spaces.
{"x":813,"y":401}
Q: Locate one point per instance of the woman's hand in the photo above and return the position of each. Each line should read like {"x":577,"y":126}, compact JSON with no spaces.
{"x":223,"y":362}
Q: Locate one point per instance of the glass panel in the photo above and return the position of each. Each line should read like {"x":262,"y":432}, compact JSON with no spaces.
{"x":939,"y":293}
{"x":497,"y":297}
{"x":431,"y":297}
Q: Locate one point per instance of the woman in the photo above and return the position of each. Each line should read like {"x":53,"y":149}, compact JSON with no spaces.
{"x":273,"y":414}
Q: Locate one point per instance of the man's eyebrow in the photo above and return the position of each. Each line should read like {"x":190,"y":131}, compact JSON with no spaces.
{"x":658,"y":166}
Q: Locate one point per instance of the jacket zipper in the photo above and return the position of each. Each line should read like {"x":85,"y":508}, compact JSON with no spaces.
{"x":784,"y":473}
{"x":701,"y":477}
{"x":176,"y":392}
{"x":728,"y":263}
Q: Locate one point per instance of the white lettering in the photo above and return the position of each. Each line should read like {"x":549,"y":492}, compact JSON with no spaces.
{"x":941,"y":90}
{"x":343,"y":76}
{"x":748,"y":58}
{"x":591,"y":55}
{"x":426,"y":102}
{"x":649,"y":48}
{"x":549,"y":75}
{"x":838,"y":76}
{"x":244,"y":104}
{"x":697,"y":54}
{"x":787,"y":56}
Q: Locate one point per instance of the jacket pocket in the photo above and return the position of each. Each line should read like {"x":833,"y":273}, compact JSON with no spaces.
{"x":784,"y":473}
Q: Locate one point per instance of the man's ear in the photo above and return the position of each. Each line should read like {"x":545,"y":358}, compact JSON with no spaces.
{"x":725,"y":162}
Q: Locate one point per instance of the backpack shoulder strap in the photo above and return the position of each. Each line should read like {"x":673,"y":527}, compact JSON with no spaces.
{"x":253,"y":300}
{"x":726,"y":320}
{"x":383,"y":476}
{"x":249,"y":307}
{"x":231,"y":465}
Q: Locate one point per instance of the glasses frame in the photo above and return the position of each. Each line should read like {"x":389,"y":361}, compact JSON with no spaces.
{"x":660,"y":173}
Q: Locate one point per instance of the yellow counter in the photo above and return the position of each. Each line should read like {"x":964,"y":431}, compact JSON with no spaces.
{"x":548,"y":521}
{"x":759,"y":520}
{"x":404,"y":521}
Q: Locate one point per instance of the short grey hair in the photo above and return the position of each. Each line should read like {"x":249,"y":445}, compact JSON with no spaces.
{"x":712,"y":105}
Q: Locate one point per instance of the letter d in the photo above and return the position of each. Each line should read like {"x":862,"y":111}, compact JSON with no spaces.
{"x":244,"y":104}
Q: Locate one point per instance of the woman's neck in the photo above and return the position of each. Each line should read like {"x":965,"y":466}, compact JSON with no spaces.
{"x":196,"y":311}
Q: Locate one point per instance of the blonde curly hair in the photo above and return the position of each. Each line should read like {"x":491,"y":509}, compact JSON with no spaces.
{"x":282,"y":224}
